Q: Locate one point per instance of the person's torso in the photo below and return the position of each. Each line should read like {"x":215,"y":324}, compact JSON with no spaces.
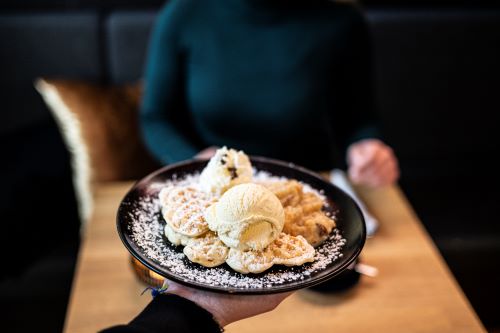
{"x":265,"y":80}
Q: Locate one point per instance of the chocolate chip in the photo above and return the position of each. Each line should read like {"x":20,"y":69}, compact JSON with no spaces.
{"x":233,"y":172}
{"x":322,"y":230}
{"x":223,"y":159}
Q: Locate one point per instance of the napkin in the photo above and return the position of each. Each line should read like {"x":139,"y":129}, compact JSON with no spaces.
{"x":339,"y":179}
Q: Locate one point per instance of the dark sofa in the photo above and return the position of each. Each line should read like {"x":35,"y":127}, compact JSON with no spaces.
{"x":437,"y":79}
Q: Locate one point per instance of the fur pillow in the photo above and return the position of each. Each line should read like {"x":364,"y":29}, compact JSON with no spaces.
{"x":100,"y":127}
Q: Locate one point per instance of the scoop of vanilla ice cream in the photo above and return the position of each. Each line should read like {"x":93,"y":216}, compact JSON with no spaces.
{"x":225,"y":169}
{"x":247,"y":217}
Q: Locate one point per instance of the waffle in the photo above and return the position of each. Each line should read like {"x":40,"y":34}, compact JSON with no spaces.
{"x":183,"y":208}
{"x":306,"y":225}
{"x":175,"y":237}
{"x":285,"y":250}
{"x":208,"y":251}
{"x":291,"y":251}
{"x":250,"y":261}
{"x":175,"y":195}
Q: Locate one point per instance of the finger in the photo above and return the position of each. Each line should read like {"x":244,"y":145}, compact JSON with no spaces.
{"x":358,"y":172}
{"x":356,"y":162}
{"x":379,"y":163}
{"x":378,"y":157}
{"x":380,"y":174}
{"x":206,"y":153}
{"x":384,"y":175}
{"x":368,"y":156}
{"x":358,"y":157}
{"x":385,"y":181}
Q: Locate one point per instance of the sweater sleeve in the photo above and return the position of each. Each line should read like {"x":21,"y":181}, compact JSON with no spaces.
{"x":164,"y":120}
{"x":357,"y":120}
{"x":169,"y":313}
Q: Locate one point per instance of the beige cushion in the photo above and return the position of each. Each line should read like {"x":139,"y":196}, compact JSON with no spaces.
{"x":100,"y":127}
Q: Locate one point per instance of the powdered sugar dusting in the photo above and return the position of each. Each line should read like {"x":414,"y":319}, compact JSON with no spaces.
{"x":146,"y":230}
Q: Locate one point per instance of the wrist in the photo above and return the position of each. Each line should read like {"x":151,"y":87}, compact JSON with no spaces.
{"x":202,"y":302}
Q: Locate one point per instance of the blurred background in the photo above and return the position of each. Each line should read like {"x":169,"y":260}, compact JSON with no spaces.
{"x":437,"y":86}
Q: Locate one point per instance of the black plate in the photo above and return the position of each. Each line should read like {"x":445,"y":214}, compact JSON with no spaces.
{"x":138,"y":211}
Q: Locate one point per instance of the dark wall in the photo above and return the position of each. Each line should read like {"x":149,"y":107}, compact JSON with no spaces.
{"x":437,"y":81}
{"x":53,"y":44}
{"x":40,"y":235}
{"x":114,"y":4}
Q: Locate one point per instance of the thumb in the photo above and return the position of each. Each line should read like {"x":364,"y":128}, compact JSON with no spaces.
{"x":357,"y":158}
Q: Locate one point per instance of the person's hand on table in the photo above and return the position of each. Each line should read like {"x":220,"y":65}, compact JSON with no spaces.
{"x":227,"y":308}
{"x":371,"y":162}
{"x":206,"y":153}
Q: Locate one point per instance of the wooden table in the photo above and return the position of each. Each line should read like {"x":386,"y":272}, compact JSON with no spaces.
{"x":414,"y":291}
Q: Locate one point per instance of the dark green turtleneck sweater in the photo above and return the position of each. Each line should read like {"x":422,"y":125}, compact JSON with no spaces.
{"x":283,"y":79}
